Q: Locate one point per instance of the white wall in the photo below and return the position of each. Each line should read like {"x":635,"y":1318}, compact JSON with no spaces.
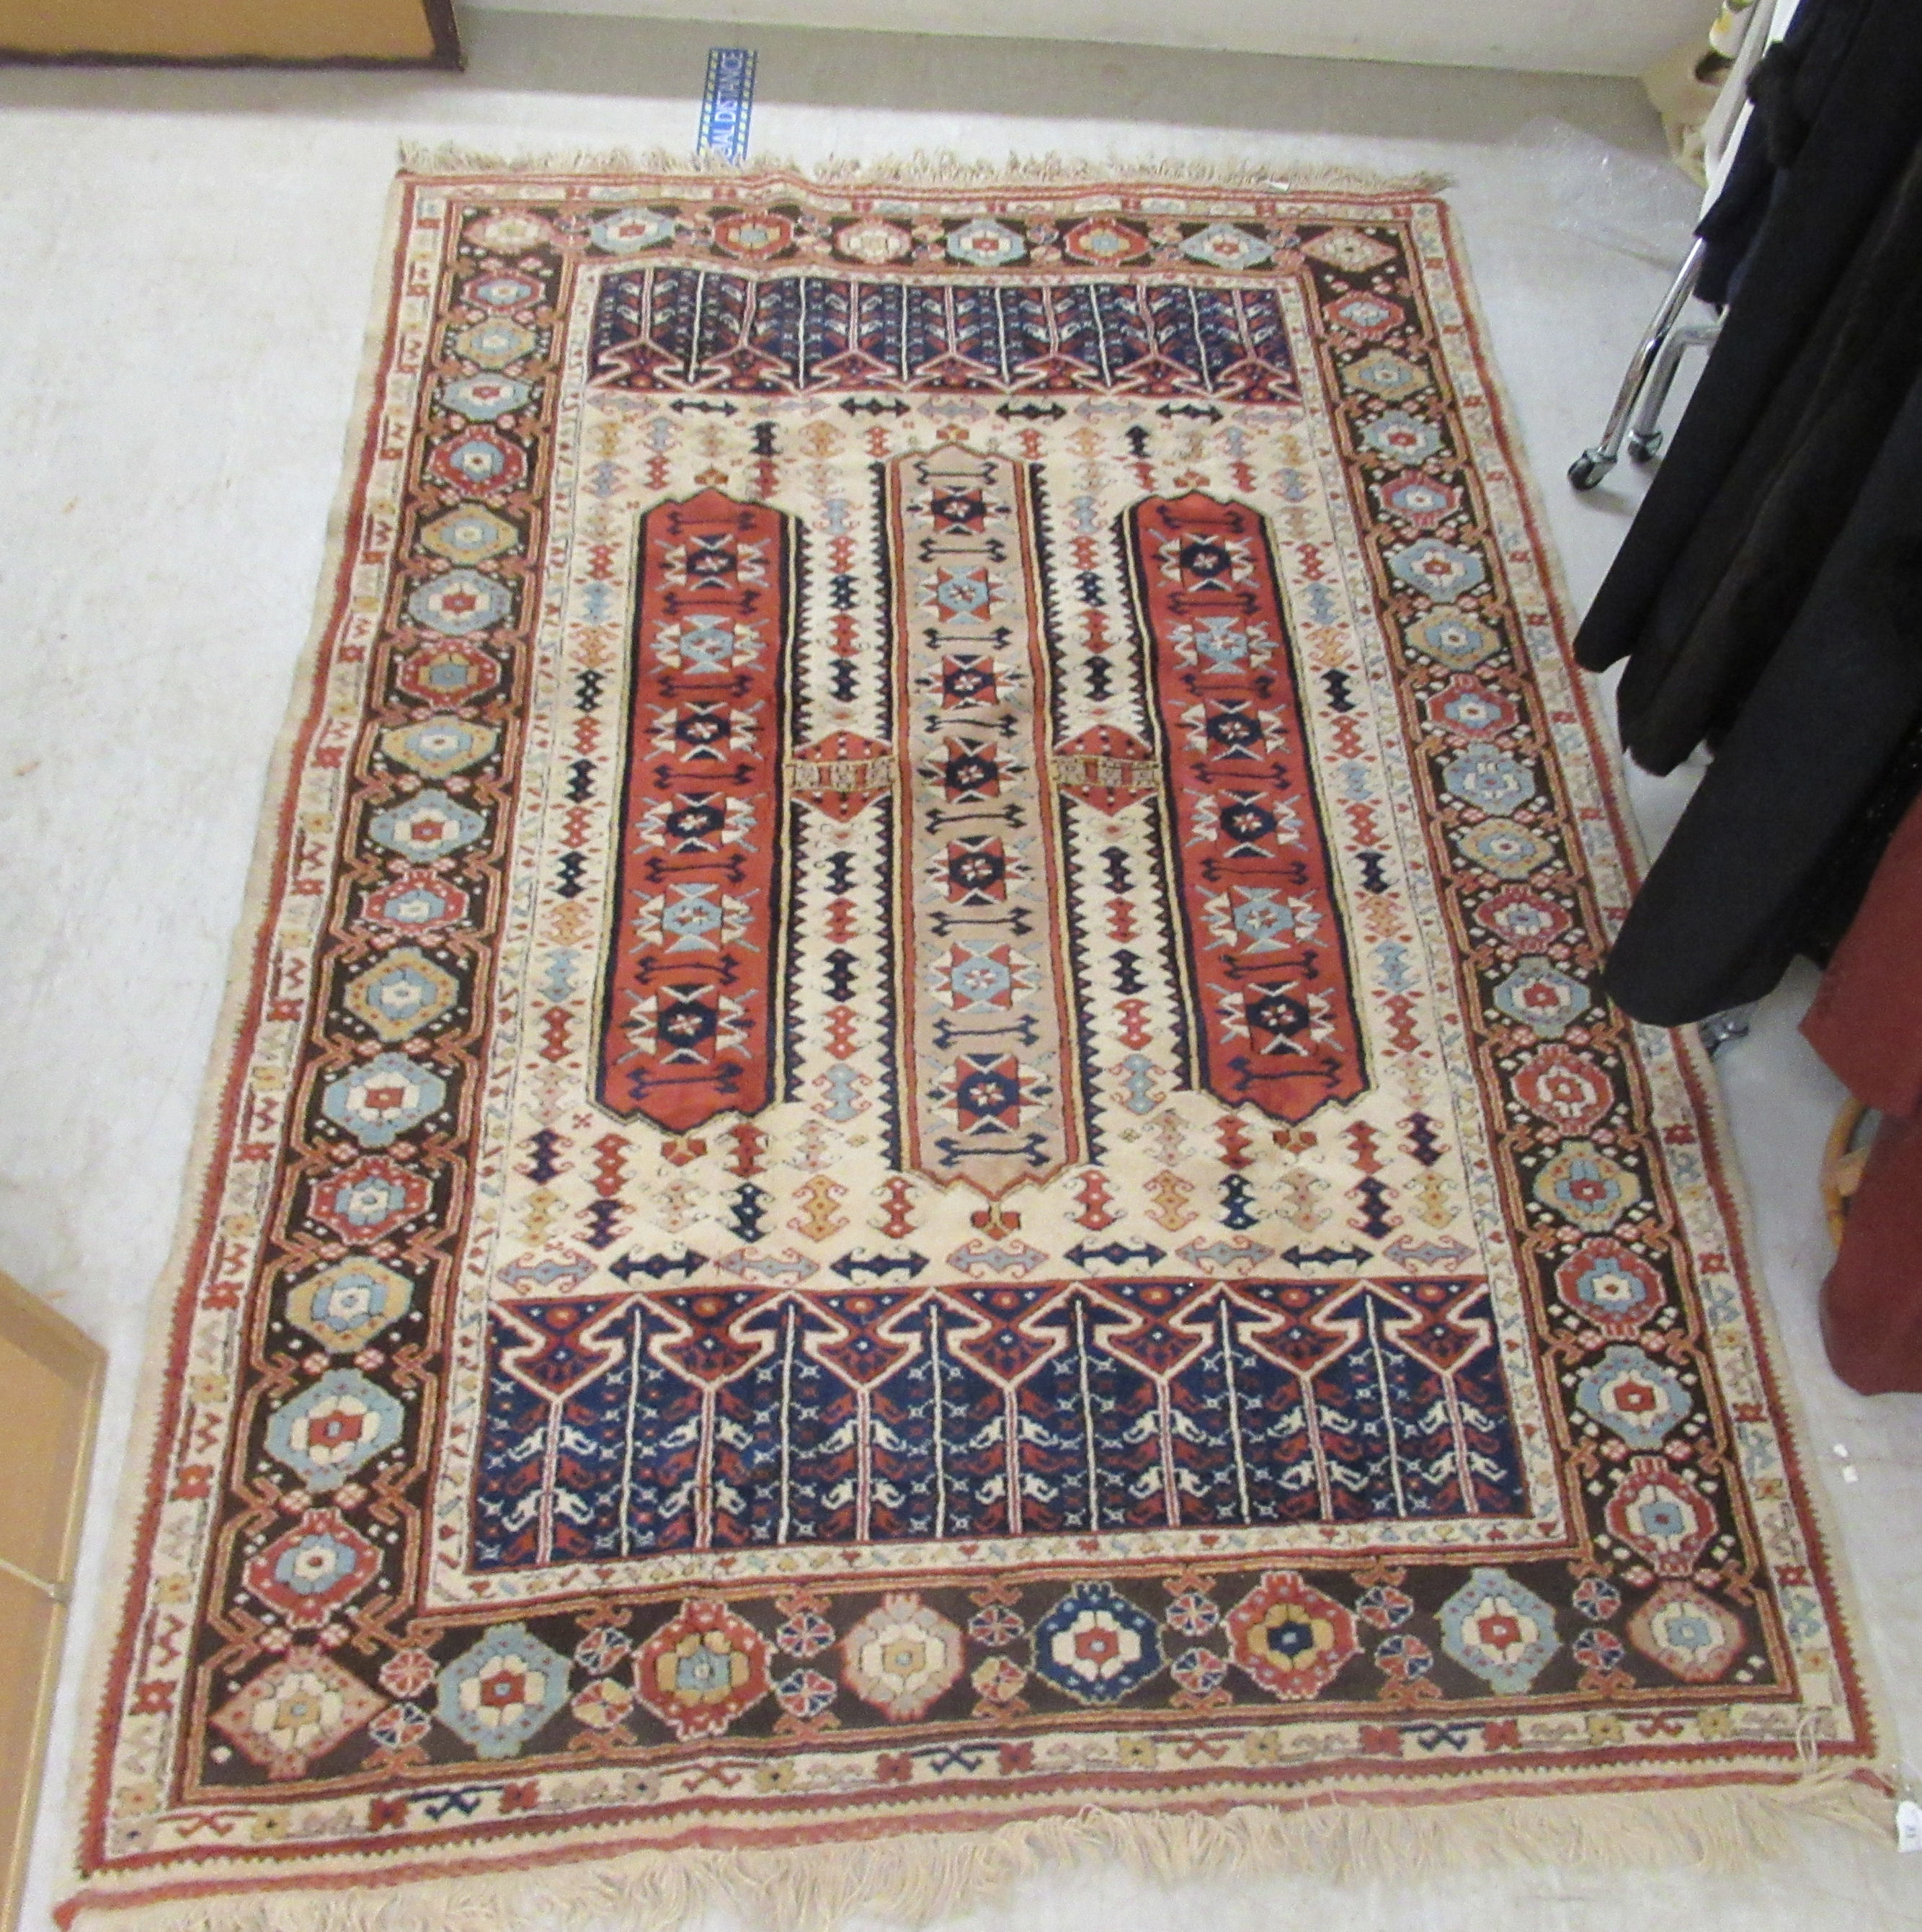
{"x":1619,"y":36}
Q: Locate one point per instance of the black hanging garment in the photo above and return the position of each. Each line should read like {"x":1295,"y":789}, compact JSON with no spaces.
{"x":1764,"y":594}
{"x":1787,"y":87}
{"x":1727,"y":904}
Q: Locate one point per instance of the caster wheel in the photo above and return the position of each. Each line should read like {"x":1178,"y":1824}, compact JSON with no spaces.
{"x":1588,"y":469}
{"x":1642,"y":448}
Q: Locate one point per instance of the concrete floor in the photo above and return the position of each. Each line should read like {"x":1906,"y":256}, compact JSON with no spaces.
{"x":192,"y":256}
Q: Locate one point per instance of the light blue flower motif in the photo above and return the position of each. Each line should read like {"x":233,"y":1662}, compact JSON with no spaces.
{"x":496,"y":1696}
{"x":1500,"y":1629}
{"x":1489,"y":779}
{"x":333,"y":1428}
{"x":380,"y":1102}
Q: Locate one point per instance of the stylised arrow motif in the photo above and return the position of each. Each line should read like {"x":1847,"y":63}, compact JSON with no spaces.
{"x":850,"y":1264}
{"x":660,"y":1267}
{"x":1114,"y":1254}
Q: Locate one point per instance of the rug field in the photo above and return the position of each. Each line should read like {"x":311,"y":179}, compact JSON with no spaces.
{"x":918,"y":1162}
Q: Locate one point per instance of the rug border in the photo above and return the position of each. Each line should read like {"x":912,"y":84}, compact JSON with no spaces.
{"x":155,"y":1404}
{"x":1868,"y":1700}
{"x":1736,"y":1816}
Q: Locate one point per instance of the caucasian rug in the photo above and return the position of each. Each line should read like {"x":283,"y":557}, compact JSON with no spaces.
{"x":920,"y":1163}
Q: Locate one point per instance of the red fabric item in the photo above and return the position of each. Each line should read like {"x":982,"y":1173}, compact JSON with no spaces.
{"x":1871,"y":1301}
{"x":1866,"y":1024}
{"x":1866,"y":1020}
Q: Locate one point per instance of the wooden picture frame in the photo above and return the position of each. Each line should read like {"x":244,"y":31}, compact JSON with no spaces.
{"x":50,"y":1376}
{"x":365,"y":34}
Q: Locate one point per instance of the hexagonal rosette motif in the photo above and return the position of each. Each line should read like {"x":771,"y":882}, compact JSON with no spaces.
{"x":1453,"y":637}
{"x":297,"y":1710}
{"x":1291,"y":1638}
{"x":415,"y":902}
{"x":345,"y":1306}
{"x":1101,"y":239}
{"x":631,"y":229}
{"x":377,"y":1103}
{"x":1500,"y":1629}
{"x":1466,"y":708}
{"x":505,"y":289}
{"x":1565,"y":1088}
{"x":901,"y":1656}
{"x":1659,"y":1513}
{"x":471,"y":533}
{"x":1582,"y":1185}
{"x":1397,"y":437}
{"x":1095,"y":1644}
{"x":321,"y":1565}
{"x":1523,"y":920}
{"x":368,"y":1199}
{"x":445,"y":672}
{"x":754,"y":237}
{"x":333,"y":1429}
{"x":1543,"y":998}
{"x":1611,"y":1286}
{"x":1418,"y":500}
{"x":1631,"y":1394}
{"x":400,"y":994}
{"x":1348,"y":249}
{"x":481,"y":460}
{"x":1441,"y":569}
{"x":428,"y":826}
{"x":1222,"y":244}
{"x":495,"y":342}
{"x":508,"y":230}
{"x":461,"y":601}
{"x":873,"y":242}
{"x":1489,"y":780}
{"x":485,"y":398}
{"x":438,"y":747}
{"x":1364,"y":313}
{"x":1385,"y":374}
{"x":1690,"y":1636}
{"x":986,"y":244}
{"x":1507,"y":850}
{"x":701,"y":1669}
{"x":498,"y":1695}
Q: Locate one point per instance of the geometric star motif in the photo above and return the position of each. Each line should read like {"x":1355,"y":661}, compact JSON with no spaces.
{"x":701,"y":1669}
{"x":378,"y":1103}
{"x":497,"y":1694}
{"x":368,"y":1198}
{"x":330,"y":1429}
{"x":1291,"y":1638}
{"x":343,"y":1307}
{"x":901,"y":1656}
{"x":401,"y":993}
{"x":296,"y":1710}
{"x":309,"y":1572}
{"x":1095,"y":1644}
{"x":1499,"y":1629}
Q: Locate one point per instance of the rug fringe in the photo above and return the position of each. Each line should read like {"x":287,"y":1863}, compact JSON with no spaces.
{"x":913,"y":1878}
{"x":923,"y":168}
